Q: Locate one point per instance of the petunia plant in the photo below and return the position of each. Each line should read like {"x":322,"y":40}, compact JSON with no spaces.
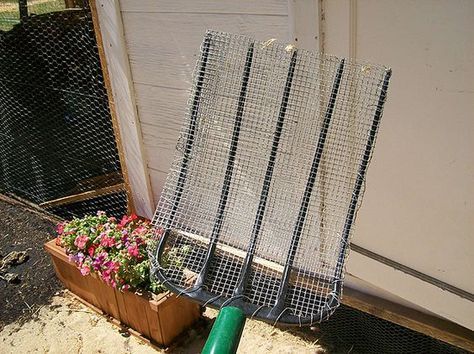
{"x":113,"y":249}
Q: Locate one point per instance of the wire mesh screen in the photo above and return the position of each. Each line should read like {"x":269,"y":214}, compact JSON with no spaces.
{"x":57,"y":146}
{"x":353,"y":331}
{"x":270,"y":164}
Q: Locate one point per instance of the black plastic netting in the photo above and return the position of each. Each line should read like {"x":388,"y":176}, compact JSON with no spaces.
{"x":354,"y":331}
{"x":57,"y":143}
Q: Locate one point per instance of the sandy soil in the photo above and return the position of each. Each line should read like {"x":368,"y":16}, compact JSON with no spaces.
{"x":67,"y":326}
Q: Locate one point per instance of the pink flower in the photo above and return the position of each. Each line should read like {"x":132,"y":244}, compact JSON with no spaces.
{"x":81,"y":241}
{"x":139,"y":230}
{"x":159,"y":231}
{"x":85,"y":270}
{"x":107,"y":241}
{"x":133,"y":250}
{"x":60,"y":228}
{"x":91,"y":250}
{"x":126,"y":219}
{"x":101,"y":213}
{"x":107,"y":275}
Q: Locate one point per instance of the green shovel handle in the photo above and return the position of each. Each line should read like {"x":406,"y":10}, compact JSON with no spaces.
{"x":226,"y":332}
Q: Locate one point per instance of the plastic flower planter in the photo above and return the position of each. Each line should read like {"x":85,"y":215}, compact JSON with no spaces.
{"x":160,"y":319}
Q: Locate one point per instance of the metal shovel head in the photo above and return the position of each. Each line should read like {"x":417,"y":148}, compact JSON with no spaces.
{"x":258,"y":207}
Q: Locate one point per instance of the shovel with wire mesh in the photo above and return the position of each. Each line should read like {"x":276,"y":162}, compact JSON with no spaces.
{"x":258,"y":207}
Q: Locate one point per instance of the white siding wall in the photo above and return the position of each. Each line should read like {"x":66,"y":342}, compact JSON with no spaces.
{"x":418,"y":209}
{"x":163,"y":39}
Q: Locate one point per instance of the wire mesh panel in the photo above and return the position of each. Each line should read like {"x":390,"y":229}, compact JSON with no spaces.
{"x":57,"y":144}
{"x":353,"y":331}
{"x":262,"y":194}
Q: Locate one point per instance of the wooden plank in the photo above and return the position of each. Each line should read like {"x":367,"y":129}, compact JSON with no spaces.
{"x":155,"y":323}
{"x":162,"y":111}
{"x":136,"y":307}
{"x":97,"y":182}
{"x":117,"y":75}
{"x":104,"y":294}
{"x":428,"y":296}
{"x":266,"y":7}
{"x":84,"y":196}
{"x":176,"y":315}
{"x":304,"y":18}
{"x":158,"y":161}
{"x":270,"y":267}
{"x":163,"y":48}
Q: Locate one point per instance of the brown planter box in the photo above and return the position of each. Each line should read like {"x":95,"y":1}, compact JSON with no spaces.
{"x":159,"y":320}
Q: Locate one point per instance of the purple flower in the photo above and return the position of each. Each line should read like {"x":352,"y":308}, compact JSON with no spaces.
{"x":98,"y":262}
{"x":77,"y":258}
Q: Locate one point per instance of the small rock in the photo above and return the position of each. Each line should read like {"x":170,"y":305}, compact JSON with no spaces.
{"x":11,"y":278}
{"x":124,"y":333}
{"x":14,"y":258}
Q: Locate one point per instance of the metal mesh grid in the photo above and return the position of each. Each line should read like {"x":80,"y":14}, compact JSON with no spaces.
{"x":57,"y":146}
{"x":353,"y":331}
{"x":266,"y":168}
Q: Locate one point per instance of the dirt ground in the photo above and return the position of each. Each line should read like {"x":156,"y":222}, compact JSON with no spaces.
{"x":67,"y":326}
{"x":25,"y":231}
{"x":37,"y":315}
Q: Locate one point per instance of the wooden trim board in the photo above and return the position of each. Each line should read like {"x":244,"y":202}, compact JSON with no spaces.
{"x":84,"y":196}
{"x":118,"y":80}
{"x":304,"y":24}
{"x":414,"y":290}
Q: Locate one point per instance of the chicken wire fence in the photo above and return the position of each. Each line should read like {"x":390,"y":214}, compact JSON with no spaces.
{"x":349,"y":330}
{"x":57,"y":146}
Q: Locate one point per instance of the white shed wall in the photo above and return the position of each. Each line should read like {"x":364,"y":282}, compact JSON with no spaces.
{"x":418,"y":209}
{"x":163,"y":39}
